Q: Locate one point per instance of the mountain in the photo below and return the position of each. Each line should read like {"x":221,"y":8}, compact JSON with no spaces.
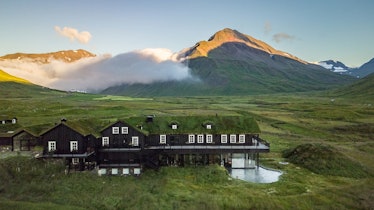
{"x":339,"y":67}
{"x":365,"y":69}
{"x":232,"y":63}
{"x":335,"y":66}
{"x":66,"y":56}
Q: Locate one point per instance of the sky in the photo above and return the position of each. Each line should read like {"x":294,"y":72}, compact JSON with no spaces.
{"x":311,"y":30}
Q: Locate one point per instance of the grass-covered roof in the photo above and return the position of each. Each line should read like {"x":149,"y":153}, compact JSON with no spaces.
{"x":196,"y":124}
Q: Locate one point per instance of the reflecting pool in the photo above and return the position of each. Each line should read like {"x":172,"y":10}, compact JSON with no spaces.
{"x":257,"y":175}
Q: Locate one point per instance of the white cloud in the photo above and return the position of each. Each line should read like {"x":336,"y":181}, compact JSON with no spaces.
{"x":73,"y":34}
{"x":279,"y":37}
{"x":97,"y":73}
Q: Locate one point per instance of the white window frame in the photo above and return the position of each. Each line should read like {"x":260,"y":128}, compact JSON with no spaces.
{"x":125,"y":130}
{"x":223,"y":138}
{"x":105,"y":141}
{"x":126,"y":171}
{"x":200,"y":138}
{"x":52,"y":146}
{"x":163,"y":139}
{"x":242,"y":138}
{"x":115,"y":130}
{"x":191,"y":139}
{"x":135,"y":141}
{"x":114,"y":171}
{"x":75,"y":161}
{"x":174,"y":126}
{"x":209,"y":138}
{"x":73,"y":146}
{"x":232,"y":138}
{"x":209,"y":126}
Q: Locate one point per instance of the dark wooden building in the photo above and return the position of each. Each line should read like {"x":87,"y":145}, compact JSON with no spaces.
{"x":62,"y":141}
{"x":120,"y":149}
{"x":127,"y":147}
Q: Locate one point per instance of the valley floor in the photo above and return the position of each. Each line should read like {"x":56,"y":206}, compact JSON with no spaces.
{"x":343,"y":128}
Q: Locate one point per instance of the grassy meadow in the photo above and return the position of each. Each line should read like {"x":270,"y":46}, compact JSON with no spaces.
{"x":327,"y":143}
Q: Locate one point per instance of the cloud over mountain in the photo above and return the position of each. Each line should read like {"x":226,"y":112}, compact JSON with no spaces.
{"x":73,"y":34}
{"x":97,"y":73}
{"x":279,"y":37}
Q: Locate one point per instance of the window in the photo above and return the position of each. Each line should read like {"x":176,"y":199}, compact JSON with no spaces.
{"x":191,"y":139}
{"x":242,"y":138}
{"x":200,"y":138}
{"x":162,"y":139}
{"x":136,"y":171}
{"x":174,"y":126}
{"x":114,"y":171}
{"x":126,"y":171}
{"x":73,"y":146}
{"x":209,"y":138}
{"x":105,"y":141}
{"x":75,"y":161}
{"x":232,"y":138}
{"x":223,"y":138}
{"x":135,"y":141}
{"x":51,"y":146}
{"x":208,"y":126}
{"x":115,"y":130}
{"x":125,"y":130}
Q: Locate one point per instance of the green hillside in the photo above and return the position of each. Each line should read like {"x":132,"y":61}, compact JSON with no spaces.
{"x":5,"y":77}
{"x":363,"y":88}
{"x":14,"y":87}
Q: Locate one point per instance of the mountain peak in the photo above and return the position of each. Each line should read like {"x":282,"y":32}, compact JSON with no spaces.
{"x":65,"y":55}
{"x":227,"y":35}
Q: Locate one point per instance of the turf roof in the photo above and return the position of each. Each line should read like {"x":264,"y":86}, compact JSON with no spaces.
{"x":196,"y":124}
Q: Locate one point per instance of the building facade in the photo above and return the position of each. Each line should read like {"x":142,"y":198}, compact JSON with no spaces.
{"x":130,"y":146}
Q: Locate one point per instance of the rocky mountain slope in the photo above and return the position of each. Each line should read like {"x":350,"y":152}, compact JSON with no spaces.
{"x":341,"y":68}
{"x":232,"y":63}
{"x":66,"y":56}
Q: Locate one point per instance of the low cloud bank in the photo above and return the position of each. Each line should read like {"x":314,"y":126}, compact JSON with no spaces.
{"x":97,"y":73}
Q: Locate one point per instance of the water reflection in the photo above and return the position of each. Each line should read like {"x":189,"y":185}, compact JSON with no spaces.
{"x":257,"y":175}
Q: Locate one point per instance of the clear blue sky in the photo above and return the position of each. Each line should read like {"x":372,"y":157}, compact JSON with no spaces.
{"x":312,"y":30}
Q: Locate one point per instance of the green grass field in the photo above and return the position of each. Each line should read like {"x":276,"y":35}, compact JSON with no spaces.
{"x":339,"y":130}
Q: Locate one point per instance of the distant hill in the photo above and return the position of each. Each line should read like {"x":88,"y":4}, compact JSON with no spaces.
{"x":363,"y":88}
{"x":66,"y":56}
{"x":232,"y":63}
{"x":5,"y":77}
{"x":14,"y":87}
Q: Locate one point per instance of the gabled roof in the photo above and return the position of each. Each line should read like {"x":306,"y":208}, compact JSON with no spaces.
{"x":196,"y":124}
{"x":58,"y":125}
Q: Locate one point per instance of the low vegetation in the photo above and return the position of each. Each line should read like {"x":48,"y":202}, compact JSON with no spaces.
{"x":327,"y":157}
{"x":326,"y":160}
